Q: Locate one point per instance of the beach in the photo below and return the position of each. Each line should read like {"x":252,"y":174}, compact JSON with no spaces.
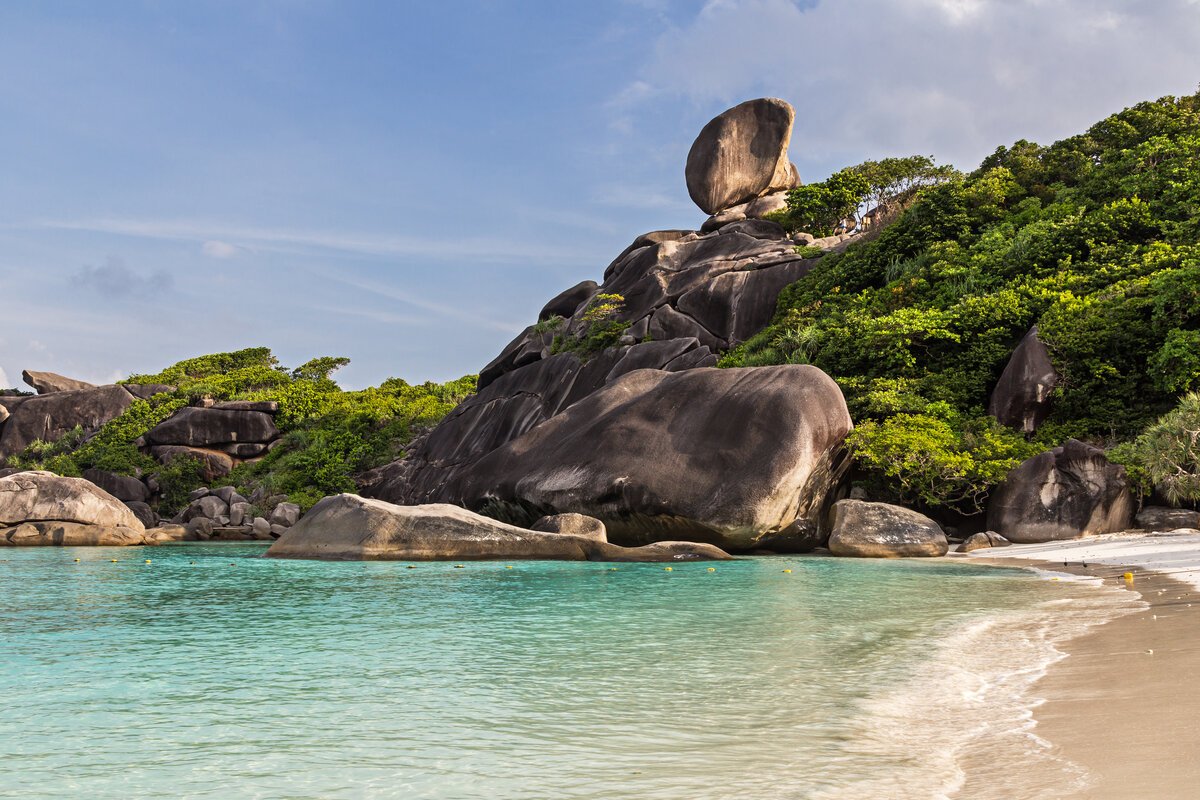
{"x":1123,"y":704}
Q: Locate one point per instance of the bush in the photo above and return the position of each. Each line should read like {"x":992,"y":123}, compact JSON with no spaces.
{"x":598,"y":328}
{"x":1166,"y":456}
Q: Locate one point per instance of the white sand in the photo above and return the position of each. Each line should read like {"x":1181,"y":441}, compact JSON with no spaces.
{"x":1175,"y":553}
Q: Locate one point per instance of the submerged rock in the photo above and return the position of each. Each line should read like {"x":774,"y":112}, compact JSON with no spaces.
{"x":882,"y":530}
{"x":349,"y":527}
{"x":1065,"y":493}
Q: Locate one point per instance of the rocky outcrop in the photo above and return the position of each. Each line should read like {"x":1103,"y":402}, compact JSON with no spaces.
{"x":349,"y":527}
{"x":741,"y":458}
{"x":1158,"y":518}
{"x":47,"y":417}
{"x":124,"y":488}
{"x":573,"y":525}
{"x":881,"y":530}
{"x":1064,"y":493}
{"x":1021,"y":399}
{"x":982,"y":540}
{"x":41,"y":508}
{"x":44,"y":496}
{"x":214,"y":464}
{"x":203,"y":427}
{"x":48,"y":382}
{"x":568,"y":302}
{"x":222,"y":513}
{"x":742,"y":154}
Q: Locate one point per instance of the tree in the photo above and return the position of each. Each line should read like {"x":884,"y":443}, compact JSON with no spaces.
{"x":320,"y":368}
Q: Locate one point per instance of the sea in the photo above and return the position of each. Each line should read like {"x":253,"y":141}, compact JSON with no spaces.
{"x":204,"y":670}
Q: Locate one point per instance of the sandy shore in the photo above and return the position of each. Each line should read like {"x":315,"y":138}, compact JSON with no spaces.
{"x":1125,"y":703}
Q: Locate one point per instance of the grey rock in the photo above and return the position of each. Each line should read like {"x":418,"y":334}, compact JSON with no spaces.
{"x":201,"y":427}
{"x":49,"y":382}
{"x":572,"y":525}
{"x":731,"y":457}
{"x":170,"y":533}
{"x":213,"y":463}
{"x":261,"y":526}
{"x":238,"y":512}
{"x":767,"y":204}
{"x":349,"y":527}
{"x":265,"y":406}
{"x":882,"y":530}
{"x":228,"y":494}
{"x":1065,"y":493}
{"x":285,"y":514}
{"x":50,"y":533}
{"x":667,"y":323}
{"x":49,"y":416}
{"x":568,"y":302}
{"x":717,"y":221}
{"x":144,"y":391}
{"x":651,"y":355}
{"x":143,"y":512}
{"x":984,"y":539}
{"x":43,"y":496}
{"x":1158,"y":518}
{"x":122,"y":487}
{"x":200,"y":527}
{"x":278,"y":530}
{"x":209,"y":506}
{"x":196,"y":494}
{"x":740,"y":154}
{"x":3,"y":414}
{"x":1021,"y":399}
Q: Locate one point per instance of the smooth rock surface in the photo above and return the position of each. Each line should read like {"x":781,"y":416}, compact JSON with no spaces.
{"x":572,"y":524}
{"x":1065,"y":493}
{"x":1021,"y":399}
{"x":49,"y":382}
{"x":49,"y":416}
{"x":213,"y":463}
{"x":566,"y":303}
{"x":70,"y":534}
{"x":44,"y":496}
{"x":123,"y":487}
{"x":982,"y":540}
{"x":733,"y":457}
{"x":1159,"y":518}
{"x":349,"y":527}
{"x":202,"y":427}
{"x":881,"y":530}
{"x":740,"y":154}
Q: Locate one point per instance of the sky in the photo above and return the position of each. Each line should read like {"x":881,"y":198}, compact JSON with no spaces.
{"x":407,"y":183}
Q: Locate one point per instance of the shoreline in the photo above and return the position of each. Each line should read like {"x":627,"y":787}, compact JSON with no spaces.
{"x":1122,"y":703}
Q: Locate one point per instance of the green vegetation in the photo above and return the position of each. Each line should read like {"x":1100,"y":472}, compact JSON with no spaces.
{"x":1166,"y":456}
{"x":1095,"y":238}
{"x":597,"y":330}
{"x":329,"y":434}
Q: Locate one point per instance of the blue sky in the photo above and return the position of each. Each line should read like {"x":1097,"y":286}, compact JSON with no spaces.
{"x":406,"y":184}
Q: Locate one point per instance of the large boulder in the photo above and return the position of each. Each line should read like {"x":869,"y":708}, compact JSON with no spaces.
{"x":1159,"y":518}
{"x":1065,"y":493}
{"x":741,"y":458}
{"x":70,"y":534}
{"x":882,"y":530}
{"x":41,"y":495}
{"x":350,"y":527}
{"x":3,"y":414}
{"x":1021,"y":399}
{"x":566,"y":303}
{"x":47,"y":417}
{"x":201,"y":427}
{"x":213,"y":463}
{"x":122,"y":487}
{"x":49,"y":382}
{"x":741,"y":154}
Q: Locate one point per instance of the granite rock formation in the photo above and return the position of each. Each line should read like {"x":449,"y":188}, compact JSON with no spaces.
{"x":1065,"y":493}
{"x":349,"y":527}
{"x":1021,"y":399}
{"x":880,"y":530}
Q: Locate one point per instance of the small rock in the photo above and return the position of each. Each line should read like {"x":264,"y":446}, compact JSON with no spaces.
{"x":882,"y":530}
{"x":261,"y":526}
{"x":237,"y":512}
{"x":979,"y":541}
{"x":572,"y":524}
{"x":278,"y":530}
{"x":285,"y":514}
{"x":198,"y":493}
{"x":1159,"y":518}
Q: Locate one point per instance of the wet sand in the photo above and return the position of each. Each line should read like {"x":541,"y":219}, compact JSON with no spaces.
{"x":1125,"y":703}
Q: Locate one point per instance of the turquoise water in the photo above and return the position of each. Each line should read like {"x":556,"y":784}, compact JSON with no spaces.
{"x":213,"y":673}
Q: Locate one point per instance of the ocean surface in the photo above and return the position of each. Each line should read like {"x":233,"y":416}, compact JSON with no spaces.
{"x":211,"y":672}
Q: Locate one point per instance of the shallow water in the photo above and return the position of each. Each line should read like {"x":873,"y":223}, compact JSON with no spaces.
{"x":211,"y":672}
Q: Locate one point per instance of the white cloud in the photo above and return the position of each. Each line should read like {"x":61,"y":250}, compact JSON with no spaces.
{"x":952,"y":78}
{"x":4,"y":384}
{"x":219,"y":249}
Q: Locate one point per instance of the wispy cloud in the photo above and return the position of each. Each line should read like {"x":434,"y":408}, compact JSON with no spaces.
{"x":485,"y":249}
{"x":115,"y":280}
{"x":218,"y":249}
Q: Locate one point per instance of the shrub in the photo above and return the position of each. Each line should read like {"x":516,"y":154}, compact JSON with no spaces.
{"x":598,"y":328}
{"x":1166,"y":456}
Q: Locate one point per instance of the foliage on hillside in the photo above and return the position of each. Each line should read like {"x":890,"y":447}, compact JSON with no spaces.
{"x":329,"y":434}
{"x":1095,"y":238}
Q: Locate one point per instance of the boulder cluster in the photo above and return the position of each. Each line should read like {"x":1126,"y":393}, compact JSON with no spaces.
{"x":224,"y":514}
{"x":219,"y":435}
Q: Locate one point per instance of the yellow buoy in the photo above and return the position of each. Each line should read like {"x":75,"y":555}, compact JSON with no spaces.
{"x":77,"y":559}
{"x":711,"y":569}
{"x":113,"y":560}
{"x":412,"y":566}
{"x":612,"y":569}
{"x":668,"y":569}
{"x":458,"y":566}
{"x":508,"y":567}
{"x":787,"y":570}
{"x":1129,"y":576}
{"x":147,"y":561}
